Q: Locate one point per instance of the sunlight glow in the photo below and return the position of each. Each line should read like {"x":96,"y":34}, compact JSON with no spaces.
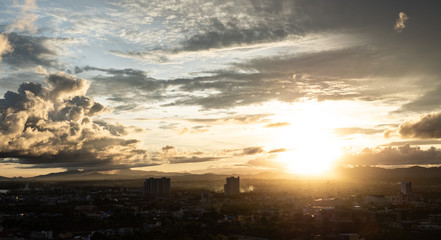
{"x":312,"y":147}
{"x":312,"y":157}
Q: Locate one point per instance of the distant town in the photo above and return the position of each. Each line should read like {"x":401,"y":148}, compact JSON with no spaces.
{"x":236,"y":208}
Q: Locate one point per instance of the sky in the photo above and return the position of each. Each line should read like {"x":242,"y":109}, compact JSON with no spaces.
{"x":231,"y":87}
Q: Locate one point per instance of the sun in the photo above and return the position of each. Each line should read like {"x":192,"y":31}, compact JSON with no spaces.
{"x":313,"y":156}
{"x":311,"y":145}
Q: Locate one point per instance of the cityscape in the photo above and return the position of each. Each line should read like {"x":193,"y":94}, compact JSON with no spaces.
{"x":224,"y":207}
{"x":198,"y":119}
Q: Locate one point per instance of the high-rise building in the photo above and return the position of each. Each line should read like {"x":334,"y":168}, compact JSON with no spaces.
{"x":156,"y":187}
{"x":232,"y":187}
{"x":406,"y":192}
{"x":406,"y":187}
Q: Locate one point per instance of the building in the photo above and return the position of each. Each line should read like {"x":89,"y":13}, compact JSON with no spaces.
{"x":406,"y":192}
{"x":232,"y":187}
{"x":156,"y":187}
{"x":406,"y":187}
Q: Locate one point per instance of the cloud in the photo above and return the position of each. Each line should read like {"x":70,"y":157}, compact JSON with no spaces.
{"x":30,"y":51}
{"x":428,"y":101}
{"x":419,"y":142}
{"x":278,"y":150}
{"x":114,"y":129}
{"x":168,"y":148}
{"x":170,"y":155}
{"x":248,"y":151}
{"x":220,"y":35}
{"x":236,"y":119}
{"x":5,"y":46}
{"x":353,"y":56}
{"x":338,"y":73}
{"x":202,"y":25}
{"x":341,"y":74}
{"x":265,"y":163}
{"x":403,"y":155}
{"x":428,"y":126}
{"x":356,"y":130}
{"x":53,"y":126}
{"x":26,"y":20}
{"x":251,"y":151}
{"x":400,"y":23}
{"x":194,"y":130}
{"x":169,"y":126}
{"x":134,"y":85}
{"x":168,"y":152}
{"x":278,"y":124}
{"x":192,"y":159}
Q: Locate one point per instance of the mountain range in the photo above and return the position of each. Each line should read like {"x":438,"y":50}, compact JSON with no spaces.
{"x":352,"y":174}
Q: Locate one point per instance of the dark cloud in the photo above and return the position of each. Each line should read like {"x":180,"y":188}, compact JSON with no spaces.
{"x":236,"y":89}
{"x":248,"y":151}
{"x":414,"y":142}
{"x":30,"y":51}
{"x":373,"y":68}
{"x":5,"y":46}
{"x":115,"y":129}
{"x":354,"y":73}
{"x":122,"y":79}
{"x":403,"y":155}
{"x":428,"y":101}
{"x":53,"y":127}
{"x":192,"y":159}
{"x":428,"y":126}
{"x":134,"y":87}
{"x":283,"y":79}
{"x":220,"y":35}
{"x":348,"y":73}
{"x":245,"y":24}
{"x":249,"y":22}
{"x":376,"y":64}
{"x":168,"y":148}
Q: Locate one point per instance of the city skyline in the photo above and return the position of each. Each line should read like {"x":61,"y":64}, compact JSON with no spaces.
{"x":218,"y":87}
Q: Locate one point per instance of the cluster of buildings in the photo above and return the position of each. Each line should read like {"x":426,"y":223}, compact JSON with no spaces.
{"x":130,"y":211}
{"x":160,"y":187}
{"x":156,"y":187}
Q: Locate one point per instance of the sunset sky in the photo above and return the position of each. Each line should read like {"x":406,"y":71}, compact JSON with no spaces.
{"x":226,"y":87}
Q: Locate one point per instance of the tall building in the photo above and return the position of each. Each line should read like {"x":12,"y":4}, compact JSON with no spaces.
{"x":406,"y":192}
{"x":406,"y":187}
{"x":156,"y":187}
{"x":232,"y":187}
